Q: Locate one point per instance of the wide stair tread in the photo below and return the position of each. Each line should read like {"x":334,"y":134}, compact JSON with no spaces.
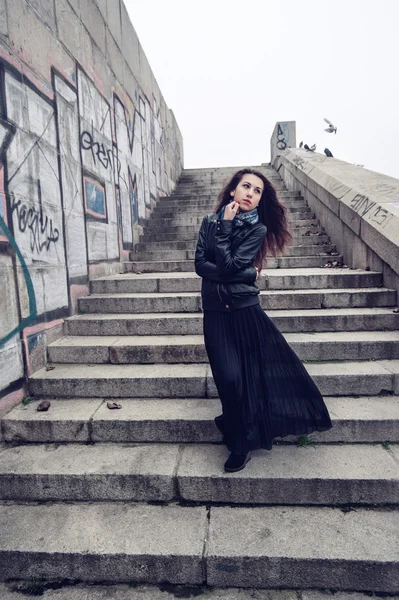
{"x":366,"y":419}
{"x":326,"y":319}
{"x":301,"y":547}
{"x":177,"y":380}
{"x":334,"y":345}
{"x":271,"y":299}
{"x":324,"y":475}
{"x":284,"y":279}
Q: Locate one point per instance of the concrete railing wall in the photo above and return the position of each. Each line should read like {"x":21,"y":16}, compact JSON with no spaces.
{"x":283,"y":137}
{"x":359,"y":208}
{"x":87,"y":145}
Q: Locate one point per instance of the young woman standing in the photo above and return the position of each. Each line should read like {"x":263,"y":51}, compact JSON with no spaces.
{"x":263,"y":386}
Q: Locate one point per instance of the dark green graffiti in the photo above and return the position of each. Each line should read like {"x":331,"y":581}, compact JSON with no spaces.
{"x":28,"y":281}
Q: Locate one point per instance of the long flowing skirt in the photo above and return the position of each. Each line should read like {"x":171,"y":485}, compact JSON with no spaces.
{"x":263,"y":386}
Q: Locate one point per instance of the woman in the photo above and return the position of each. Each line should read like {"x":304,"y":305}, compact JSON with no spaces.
{"x":264,"y":388}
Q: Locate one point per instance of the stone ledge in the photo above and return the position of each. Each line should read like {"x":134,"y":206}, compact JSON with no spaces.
{"x":366,"y":201}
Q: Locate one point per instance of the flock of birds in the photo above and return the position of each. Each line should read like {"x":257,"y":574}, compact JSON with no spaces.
{"x":330,"y":129}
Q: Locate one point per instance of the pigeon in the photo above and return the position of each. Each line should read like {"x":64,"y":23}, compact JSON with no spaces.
{"x":313,"y":148}
{"x":301,"y":144}
{"x":331,"y":128}
{"x":306,"y":147}
{"x":328,"y":153}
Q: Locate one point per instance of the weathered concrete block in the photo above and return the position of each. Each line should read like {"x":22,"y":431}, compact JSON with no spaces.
{"x":113,"y":20}
{"x":3,"y":20}
{"x":324,"y":474}
{"x":103,"y":542}
{"x":149,"y":420}
{"x":142,"y":473}
{"x":131,"y":303}
{"x":131,"y":46}
{"x":64,"y":422}
{"x":94,"y":22}
{"x":114,"y":56}
{"x":304,"y":548}
{"x":46,"y":12}
{"x":121,"y":381}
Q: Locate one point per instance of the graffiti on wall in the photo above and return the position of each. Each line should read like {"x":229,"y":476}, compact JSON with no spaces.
{"x":78,"y":173}
{"x":376,"y":213}
{"x":98,"y":151}
{"x":282,"y":136}
{"x":95,"y":202}
{"x":28,"y":282}
{"x":34,"y":219}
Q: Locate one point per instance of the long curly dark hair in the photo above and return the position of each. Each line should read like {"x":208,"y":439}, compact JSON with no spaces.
{"x":271,"y":213}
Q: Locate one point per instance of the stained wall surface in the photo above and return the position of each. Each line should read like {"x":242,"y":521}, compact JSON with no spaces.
{"x":87,"y":145}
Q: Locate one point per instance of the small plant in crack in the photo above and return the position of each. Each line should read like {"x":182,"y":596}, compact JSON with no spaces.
{"x":304,"y":441}
{"x":26,"y":400}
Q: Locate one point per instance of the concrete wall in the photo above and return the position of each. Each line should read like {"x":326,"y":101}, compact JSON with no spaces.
{"x":359,"y":208}
{"x":87,"y":144}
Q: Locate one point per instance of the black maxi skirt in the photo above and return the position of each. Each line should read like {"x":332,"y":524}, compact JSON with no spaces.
{"x":263,"y":386}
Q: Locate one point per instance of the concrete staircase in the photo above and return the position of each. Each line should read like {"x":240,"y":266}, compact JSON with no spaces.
{"x":139,"y":494}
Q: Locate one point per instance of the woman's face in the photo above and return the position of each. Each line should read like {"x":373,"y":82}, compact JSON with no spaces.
{"x":248,"y":192}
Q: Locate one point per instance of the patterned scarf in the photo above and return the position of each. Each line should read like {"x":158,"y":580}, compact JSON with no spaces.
{"x":251,"y":217}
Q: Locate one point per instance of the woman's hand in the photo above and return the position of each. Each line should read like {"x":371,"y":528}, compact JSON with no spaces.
{"x":230,"y":211}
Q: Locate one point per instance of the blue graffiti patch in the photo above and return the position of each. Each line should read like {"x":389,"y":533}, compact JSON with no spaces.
{"x":28,"y":281}
{"x":95,"y":198}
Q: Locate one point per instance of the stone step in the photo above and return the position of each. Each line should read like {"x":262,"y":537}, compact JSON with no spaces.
{"x":300,"y":226}
{"x":195,"y":173}
{"x":199,"y":213}
{"x":326,"y":475}
{"x":191,"y":244}
{"x":164,"y":591}
{"x":308,"y":250}
{"x":183,"y":219}
{"x":223,"y":175}
{"x":355,"y":420}
{"x":216,"y":184}
{"x":270,"y":299}
{"x":344,"y":378}
{"x":270,"y":279}
{"x":185,"y":266}
{"x":198,"y":200}
{"x":313,"y":231}
{"x":335,"y":345}
{"x":287,"y":547}
{"x":190,"y":191}
{"x":202,"y":202}
{"x":169,"y":237}
{"x":288,"y":321}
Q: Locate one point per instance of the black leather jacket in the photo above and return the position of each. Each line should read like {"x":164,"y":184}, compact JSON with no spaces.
{"x":223,"y":259}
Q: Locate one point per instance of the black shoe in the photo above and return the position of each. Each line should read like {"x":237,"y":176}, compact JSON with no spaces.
{"x":236,"y":462}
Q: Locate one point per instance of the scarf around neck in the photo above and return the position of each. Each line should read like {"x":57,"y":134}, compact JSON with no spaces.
{"x":251,"y":217}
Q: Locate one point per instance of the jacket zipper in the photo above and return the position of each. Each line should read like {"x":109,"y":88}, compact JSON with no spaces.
{"x":219,"y":293}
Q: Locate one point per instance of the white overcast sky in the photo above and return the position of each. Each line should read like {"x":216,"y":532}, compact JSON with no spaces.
{"x":230,"y":69}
